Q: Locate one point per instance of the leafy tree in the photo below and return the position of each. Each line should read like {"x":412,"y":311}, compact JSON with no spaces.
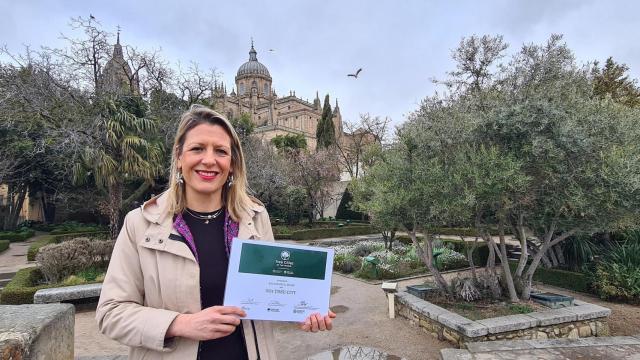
{"x":325,"y":131}
{"x":243,"y":126}
{"x":290,"y":142}
{"x":124,"y":154}
{"x":613,"y":80}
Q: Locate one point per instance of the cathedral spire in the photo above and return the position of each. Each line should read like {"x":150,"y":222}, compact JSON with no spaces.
{"x":117,"y":49}
{"x":252,"y":53}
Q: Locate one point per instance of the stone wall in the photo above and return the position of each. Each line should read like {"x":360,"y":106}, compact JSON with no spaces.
{"x":580,"y":321}
{"x":30,"y":332}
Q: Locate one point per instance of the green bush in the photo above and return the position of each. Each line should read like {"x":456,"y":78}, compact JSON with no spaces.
{"x":17,"y":236}
{"x":282,"y":236}
{"x":56,"y":239}
{"x":346,"y":263}
{"x":26,"y":282}
{"x":78,"y":229}
{"x":561,"y":278}
{"x":617,"y":275}
{"x":4,"y":245}
{"x":451,"y":260}
{"x":480,"y":254}
{"x":21,"y":288}
{"x":312,"y":234}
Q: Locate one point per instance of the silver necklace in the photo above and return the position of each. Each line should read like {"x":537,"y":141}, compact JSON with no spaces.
{"x":206,"y":218}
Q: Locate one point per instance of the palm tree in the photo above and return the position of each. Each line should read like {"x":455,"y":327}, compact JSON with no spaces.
{"x":121,"y":153}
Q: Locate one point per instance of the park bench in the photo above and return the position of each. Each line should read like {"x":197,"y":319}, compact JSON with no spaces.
{"x":67,"y":293}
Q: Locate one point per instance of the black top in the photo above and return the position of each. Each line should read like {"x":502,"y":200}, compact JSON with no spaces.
{"x":210,"y":243}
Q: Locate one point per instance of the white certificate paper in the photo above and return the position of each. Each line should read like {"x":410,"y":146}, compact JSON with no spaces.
{"x":280,"y":282}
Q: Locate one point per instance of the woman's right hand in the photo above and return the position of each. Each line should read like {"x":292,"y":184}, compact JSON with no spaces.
{"x":211,"y":323}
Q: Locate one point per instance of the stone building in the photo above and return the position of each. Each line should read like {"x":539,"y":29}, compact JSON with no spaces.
{"x":272,"y":115}
{"x":116,"y":77}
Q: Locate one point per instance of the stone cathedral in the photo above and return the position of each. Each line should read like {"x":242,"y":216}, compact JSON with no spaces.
{"x":272,"y":115}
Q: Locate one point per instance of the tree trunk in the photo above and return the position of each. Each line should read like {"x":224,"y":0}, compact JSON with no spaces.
{"x":114,"y":206}
{"x":15,"y":198}
{"x":490,"y":269}
{"x":426,"y":254}
{"x":559,"y":254}
{"x":472,"y":266}
{"x":505,"y":265}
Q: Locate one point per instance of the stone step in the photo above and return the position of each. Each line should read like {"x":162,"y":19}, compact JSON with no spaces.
{"x":4,"y":282}
{"x":616,"y":347}
{"x":7,"y":275}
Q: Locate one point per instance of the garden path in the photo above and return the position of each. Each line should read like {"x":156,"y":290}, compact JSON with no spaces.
{"x":15,"y":258}
{"x":362,"y":320}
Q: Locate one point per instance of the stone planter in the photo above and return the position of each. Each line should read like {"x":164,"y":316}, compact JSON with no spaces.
{"x":579,"y":321}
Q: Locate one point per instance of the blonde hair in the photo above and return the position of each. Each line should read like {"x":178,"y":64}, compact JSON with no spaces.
{"x":235,"y":197}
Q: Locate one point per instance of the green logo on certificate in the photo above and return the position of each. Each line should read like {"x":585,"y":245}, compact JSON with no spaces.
{"x":279,"y":261}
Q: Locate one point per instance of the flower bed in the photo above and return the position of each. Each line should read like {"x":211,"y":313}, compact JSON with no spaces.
{"x":579,"y":321}
{"x":369,"y":260}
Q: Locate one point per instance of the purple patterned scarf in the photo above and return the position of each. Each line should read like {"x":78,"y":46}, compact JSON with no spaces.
{"x":231,"y":229}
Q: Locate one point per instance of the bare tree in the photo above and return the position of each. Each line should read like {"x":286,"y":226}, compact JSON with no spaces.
{"x":369,"y":131}
{"x":315,"y":173}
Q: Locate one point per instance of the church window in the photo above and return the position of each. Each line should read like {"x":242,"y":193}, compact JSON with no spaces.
{"x":241,"y":88}
{"x":266,"y":89}
{"x":289,"y":107}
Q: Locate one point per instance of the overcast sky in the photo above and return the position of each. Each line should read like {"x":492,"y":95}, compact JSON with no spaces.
{"x":399,"y":44}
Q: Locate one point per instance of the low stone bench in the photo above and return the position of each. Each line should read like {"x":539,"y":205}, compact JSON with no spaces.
{"x":37,"y":331}
{"x":67,"y":293}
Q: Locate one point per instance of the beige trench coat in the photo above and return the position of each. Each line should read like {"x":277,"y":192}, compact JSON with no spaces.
{"x":152,"y":278}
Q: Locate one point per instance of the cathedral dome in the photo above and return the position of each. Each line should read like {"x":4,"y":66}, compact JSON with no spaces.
{"x":253,"y":66}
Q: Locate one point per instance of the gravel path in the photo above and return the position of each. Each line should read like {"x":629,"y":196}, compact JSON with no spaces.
{"x":15,"y":258}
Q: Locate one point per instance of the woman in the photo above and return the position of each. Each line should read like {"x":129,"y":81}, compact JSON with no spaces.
{"x":165,"y":282}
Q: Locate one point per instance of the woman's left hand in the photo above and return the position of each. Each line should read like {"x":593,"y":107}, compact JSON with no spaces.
{"x":316,"y":322}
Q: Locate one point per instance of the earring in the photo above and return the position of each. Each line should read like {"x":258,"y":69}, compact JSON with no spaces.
{"x":230,"y":180}
{"x":179,"y":178}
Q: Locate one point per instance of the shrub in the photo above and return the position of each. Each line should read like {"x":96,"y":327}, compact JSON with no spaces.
{"x":362,"y":250}
{"x":58,"y":261}
{"x":617,"y":275}
{"x":312,"y":234}
{"x":561,"y":278}
{"x":21,"y":288}
{"x":450,"y":260}
{"x":17,"y":236}
{"x":480,"y":254}
{"x":56,"y":239}
{"x":4,"y":245}
{"x":346,"y":263}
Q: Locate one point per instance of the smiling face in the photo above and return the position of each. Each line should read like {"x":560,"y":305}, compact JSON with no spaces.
{"x":205,"y":162}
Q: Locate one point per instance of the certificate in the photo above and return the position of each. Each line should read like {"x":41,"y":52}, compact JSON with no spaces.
{"x":281,"y":282}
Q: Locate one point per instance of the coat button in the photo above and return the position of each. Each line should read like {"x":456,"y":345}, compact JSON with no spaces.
{"x":147,"y":239}
{"x":160,"y":241}
{"x":248,"y":223}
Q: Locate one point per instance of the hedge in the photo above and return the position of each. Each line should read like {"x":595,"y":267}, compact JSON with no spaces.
{"x":282,"y":236}
{"x":313,"y":234}
{"x":561,"y":278}
{"x":16,"y":236}
{"x":20,"y":289}
{"x":55,"y":239}
{"x":4,"y":245}
{"x":77,"y":229}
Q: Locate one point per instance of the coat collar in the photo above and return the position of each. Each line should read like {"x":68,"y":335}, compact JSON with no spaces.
{"x":156,"y":210}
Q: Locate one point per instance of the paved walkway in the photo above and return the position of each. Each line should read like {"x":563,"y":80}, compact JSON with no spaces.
{"x":362,"y":320}
{"x":15,"y":258}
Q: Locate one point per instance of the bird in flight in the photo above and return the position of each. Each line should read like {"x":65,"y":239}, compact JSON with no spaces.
{"x":356,"y":74}
{"x":92,"y":17}
{"x":272,"y":50}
